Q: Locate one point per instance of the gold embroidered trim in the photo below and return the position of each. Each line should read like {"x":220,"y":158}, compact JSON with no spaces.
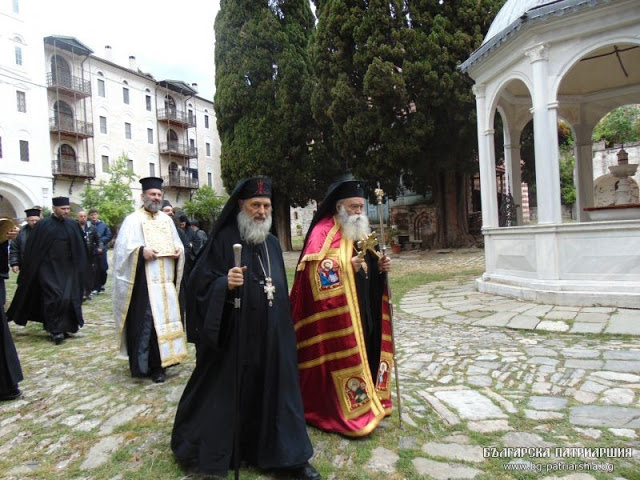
{"x":320,"y":315}
{"x":330,"y":356}
{"x":325,"y":336}
{"x":325,"y":246}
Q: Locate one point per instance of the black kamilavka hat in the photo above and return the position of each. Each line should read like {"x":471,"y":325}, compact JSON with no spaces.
{"x":151,"y":182}
{"x":59,"y":202}
{"x":32,"y":212}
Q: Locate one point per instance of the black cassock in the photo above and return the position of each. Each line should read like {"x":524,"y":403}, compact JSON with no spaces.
{"x":272,"y":427}
{"x":10,"y":371}
{"x":50,"y":285}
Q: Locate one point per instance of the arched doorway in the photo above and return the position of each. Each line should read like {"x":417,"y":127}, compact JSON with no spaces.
{"x":63,"y":115}
{"x":67,"y":159}
{"x":60,"y":71}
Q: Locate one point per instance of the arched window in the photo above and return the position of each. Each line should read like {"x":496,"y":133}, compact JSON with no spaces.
{"x":172,"y":140}
{"x":173,"y":169}
{"x":63,"y":115}
{"x":169,"y":104}
{"x":60,"y":71}
{"x":67,"y":159}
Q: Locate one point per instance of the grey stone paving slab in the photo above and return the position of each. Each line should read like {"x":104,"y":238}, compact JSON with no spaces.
{"x":101,"y":452}
{"x":618,"y":396}
{"x":622,"y":354}
{"x":589,"y":317}
{"x":630,"y":366}
{"x":499,"y":319}
{"x":523,"y":439}
{"x":525,"y":322}
{"x":470,"y":404}
{"x":454,"y":451}
{"x":584,"y":364}
{"x":624,"y":324}
{"x":547,"y":403}
{"x":539,"y":415}
{"x":444,"y":471}
{"x":560,"y":315}
{"x":587,"y":327}
{"x":605,"y":416}
{"x":617,"y":376}
{"x":382,"y":460}
{"x":489,"y":426}
{"x":552,"y":362}
{"x":552,"y":326}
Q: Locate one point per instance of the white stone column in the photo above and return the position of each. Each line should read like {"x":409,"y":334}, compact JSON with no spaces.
{"x":486,"y":159}
{"x":514,"y":175}
{"x":545,"y":129}
{"x":583,"y":173}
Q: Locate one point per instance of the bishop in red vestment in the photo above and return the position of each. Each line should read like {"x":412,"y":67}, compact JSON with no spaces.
{"x":340,"y":309}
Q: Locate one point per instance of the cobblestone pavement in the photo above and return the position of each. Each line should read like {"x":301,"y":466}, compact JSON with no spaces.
{"x":491,"y":387}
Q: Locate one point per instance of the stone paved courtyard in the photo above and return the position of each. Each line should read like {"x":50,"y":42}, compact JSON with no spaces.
{"x":491,"y":388}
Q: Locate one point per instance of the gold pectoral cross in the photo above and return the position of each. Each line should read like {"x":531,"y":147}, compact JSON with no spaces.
{"x":270,"y":290}
{"x":369,"y":242}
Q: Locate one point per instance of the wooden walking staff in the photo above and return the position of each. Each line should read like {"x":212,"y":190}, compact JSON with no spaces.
{"x":383,"y":247}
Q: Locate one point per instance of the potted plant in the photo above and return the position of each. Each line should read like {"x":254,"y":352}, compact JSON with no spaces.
{"x":391,"y":239}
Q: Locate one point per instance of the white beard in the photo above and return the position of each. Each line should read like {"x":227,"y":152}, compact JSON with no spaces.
{"x":354,"y":227}
{"x":252,"y":232}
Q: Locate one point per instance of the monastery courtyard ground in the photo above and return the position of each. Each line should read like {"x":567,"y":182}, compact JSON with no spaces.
{"x":491,"y":388}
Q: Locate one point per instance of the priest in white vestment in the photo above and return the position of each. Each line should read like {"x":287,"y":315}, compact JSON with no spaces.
{"x":148,"y":261}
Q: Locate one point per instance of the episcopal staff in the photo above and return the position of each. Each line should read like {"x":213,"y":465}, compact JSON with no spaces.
{"x":148,"y":259}
{"x":271,"y":432}
{"x":340,"y":310}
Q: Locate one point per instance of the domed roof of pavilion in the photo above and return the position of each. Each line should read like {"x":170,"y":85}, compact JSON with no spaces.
{"x":511,"y":11}
{"x":518,"y":15}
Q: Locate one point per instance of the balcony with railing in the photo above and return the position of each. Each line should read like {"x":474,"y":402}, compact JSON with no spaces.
{"x":69,"y":84}
{"x":173,"y":116}
{"x":180,"y":181}
{"x":69,"y":167}
{"x":178,"y":149}
{"x":71,"y":127}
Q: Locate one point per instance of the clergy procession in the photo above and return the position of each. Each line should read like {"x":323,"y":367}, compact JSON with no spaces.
{"x":268,"y":363}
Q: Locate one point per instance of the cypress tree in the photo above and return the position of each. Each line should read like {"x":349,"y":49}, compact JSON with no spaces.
{"x":262,"y":101}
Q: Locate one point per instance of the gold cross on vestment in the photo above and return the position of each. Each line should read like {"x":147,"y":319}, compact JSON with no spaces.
{"x":369,"y":242}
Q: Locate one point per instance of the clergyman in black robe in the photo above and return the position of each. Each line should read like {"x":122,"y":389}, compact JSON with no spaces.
{"x":10,"y":371}
{"x":244,"y":395}
{"x":52,"y":275}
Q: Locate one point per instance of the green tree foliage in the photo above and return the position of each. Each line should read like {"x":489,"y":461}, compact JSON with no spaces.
{"x":619,"y":126}
{"x":262,"y":102}
{"x":567,"y":185}
{"x":205,"y":206}
{"x":112,"y":199}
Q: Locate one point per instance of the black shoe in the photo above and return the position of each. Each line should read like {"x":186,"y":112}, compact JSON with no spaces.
{"x":57,"y":337}
{"x":302,"y":472}
{"x":158,"y":375}
{"x":13,"y":395}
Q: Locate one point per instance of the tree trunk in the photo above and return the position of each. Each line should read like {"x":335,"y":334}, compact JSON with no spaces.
{"x":451,"y":195}
{"x":282,"y":221}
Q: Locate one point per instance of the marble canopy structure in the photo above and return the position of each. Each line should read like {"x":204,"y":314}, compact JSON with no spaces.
{"x":543,"y":60}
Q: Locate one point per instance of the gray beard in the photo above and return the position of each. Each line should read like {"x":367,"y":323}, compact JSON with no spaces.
{"x":149,"y":206}
{"x":354,"y":227}
{"x":252,"y":232}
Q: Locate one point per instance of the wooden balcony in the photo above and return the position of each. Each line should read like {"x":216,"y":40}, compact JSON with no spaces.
{"x":73,"y":169}
{"x":69,"y":84}
{"x":71,"y":127}
{"x":178,"y":149}
{"x":180,"y":181}
{"x":173,"y":116}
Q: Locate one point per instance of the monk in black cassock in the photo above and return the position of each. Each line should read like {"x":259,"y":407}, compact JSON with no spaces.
{"x":52,"y":274}
{"x":259,"y":337}
{"x":10,"y":371}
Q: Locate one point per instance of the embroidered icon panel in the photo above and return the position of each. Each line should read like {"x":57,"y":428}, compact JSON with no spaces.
{"x":383,"y":377}
{"x":353,"y":394}
{"x":326,"y":278}
{"x":329,"y":273}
